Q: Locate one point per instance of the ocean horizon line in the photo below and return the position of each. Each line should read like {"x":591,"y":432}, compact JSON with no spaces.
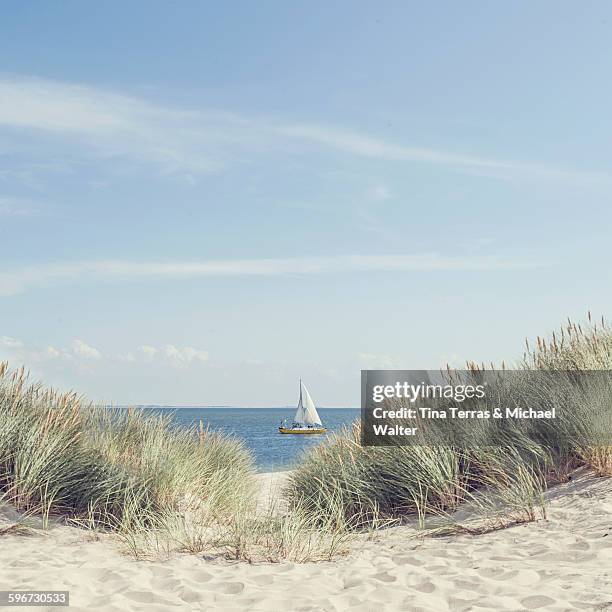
{"x":226,"y":406}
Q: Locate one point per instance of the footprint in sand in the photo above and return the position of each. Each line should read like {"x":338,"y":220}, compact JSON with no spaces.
{"x":458,"y":603}
{"x":527,"y":577}
{"x":491,"y":572}
{"x":384,"y":577}
{"x":407,"y":561}
{"x":350,"y":583}
{"x":583,"y":558}
{"x":200,"y":576}
{"x":580,"y":545}
{"x":436,"y":569}
{"x":535,"y":552}
{"x":231,"y":588}
{"x":169,"y":584}
{"x":145,"y":597}
{"x":468,"y":586}
{"x":190,"y":596}
{"x":262,"y":580}
{"x":425,"y":587}
{"x":537,"y":601}
{"x":159,"y":571}
{"x":111,"y":576}
{"x":502,"y":575}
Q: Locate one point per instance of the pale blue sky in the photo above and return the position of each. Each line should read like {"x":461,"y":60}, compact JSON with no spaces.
{"x":202,"y":202}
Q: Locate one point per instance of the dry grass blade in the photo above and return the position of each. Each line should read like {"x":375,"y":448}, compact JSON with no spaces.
{"x":504,"y":478}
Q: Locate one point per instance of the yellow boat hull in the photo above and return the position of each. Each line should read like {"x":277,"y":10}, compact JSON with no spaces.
{"x":312,"y":430}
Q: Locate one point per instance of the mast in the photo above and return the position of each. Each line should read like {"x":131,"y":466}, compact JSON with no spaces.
{"x":299,"y":413}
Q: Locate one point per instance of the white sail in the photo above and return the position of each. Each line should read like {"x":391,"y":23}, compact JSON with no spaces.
{"x":306,"y":413}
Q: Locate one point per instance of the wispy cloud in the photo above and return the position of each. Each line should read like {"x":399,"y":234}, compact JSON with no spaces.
{"x":16,"y":207}
{"x":15,"y":281}
{"x":355,"y":143}
{"x":201,"y":141}
{"x":11,"y":343}
{"x":115,"y":125}
{"x":359,"y":144}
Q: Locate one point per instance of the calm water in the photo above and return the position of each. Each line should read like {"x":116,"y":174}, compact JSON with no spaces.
{"x":258,"y":427}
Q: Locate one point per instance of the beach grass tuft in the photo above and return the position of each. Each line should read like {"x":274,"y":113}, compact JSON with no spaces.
{"x":120,"y":470}
{"x":502,"y":474}
{"x":159,"y":488}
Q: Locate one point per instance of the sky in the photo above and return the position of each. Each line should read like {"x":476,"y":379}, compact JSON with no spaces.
{"x":201,"y":203}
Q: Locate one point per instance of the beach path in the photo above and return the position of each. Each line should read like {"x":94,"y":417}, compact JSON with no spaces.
{"x":559,"y":564}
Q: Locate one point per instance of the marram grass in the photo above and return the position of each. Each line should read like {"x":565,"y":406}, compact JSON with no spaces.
{"x":118,"y":470}
{"x":163,"y":489}
{"x":502,"y":474}
{"x":159,"y":488}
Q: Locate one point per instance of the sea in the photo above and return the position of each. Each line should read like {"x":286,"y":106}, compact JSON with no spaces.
{"x":258,"y":429}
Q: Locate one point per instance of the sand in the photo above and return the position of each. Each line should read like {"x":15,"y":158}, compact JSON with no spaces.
{"x":564,"y":563}
{"x":270,"y":485}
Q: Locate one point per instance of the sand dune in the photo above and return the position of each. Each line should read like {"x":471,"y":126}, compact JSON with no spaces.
{"x":564,"y":563}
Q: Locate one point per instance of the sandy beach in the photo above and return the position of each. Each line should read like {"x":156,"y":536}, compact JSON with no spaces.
{"x":305,"y":306}
{"x":563,"y":563}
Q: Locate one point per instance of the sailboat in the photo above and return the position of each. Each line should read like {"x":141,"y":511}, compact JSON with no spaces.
{"x":306,"y":419}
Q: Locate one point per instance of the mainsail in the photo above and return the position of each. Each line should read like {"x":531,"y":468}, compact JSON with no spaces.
{"x":306,"y":413}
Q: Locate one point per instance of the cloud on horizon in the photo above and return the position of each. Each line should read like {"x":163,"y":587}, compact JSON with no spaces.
{"x":77,"y":351}
{"x":82,"y":354}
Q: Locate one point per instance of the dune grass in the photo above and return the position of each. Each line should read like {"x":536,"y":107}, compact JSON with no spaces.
{"x":163,"y":489}
{"x":112,"y":469}
{"x":160,"y":489}
{"x":502,"y":473}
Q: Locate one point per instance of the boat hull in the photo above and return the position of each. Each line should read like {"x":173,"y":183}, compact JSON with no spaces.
{"x":305,"y":430}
